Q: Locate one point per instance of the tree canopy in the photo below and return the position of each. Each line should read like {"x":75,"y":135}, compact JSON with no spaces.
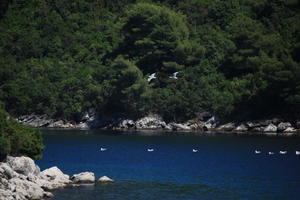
{"x":235,"y":58}
{"x":18,"y":140}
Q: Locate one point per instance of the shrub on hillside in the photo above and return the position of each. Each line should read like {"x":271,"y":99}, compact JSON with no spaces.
{"x":17,"y":139}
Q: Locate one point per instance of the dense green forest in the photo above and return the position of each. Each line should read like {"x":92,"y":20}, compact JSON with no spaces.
{"x":237,"y":59}
{"x":17,"y":139}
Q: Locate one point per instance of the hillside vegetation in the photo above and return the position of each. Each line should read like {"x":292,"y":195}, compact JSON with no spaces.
{"x":17,"y":139}
{"x":237,"y":59}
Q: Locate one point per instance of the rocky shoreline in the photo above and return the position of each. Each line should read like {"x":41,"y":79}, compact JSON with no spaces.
{"x":21,"y":179}
{"x":205,"y":123}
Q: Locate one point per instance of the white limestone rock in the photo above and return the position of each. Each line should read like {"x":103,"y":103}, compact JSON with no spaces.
{"x":54,"y":173}
{"x":270,"y":128}
{"x":105,"y":179}
{"x":6,"y":194}
{"x":21,"y":179}
{"x":23,"y":165}
{"x":283,"y":126}
{"x":126,"y":124}
{"x":241,"y":128}
{"x":177,"y":126}
{"x":150,"y":122}
{"x":258,"y":129}
{"x":82,"y":125}
{"x":84,"y":177}
{"x":6,"y":171}
{"x":53,"y":178}
{"x":290,"y":130}
{"x":227,"y":127}
{"x":25,"y":189}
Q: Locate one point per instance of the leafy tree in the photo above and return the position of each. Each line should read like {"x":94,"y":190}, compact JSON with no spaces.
{"x":17,"y":140}
{"x":62,"y":58}
{"x":130,"y":87}
{"x":155,"y":35}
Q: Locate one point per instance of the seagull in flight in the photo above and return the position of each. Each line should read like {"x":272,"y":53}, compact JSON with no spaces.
{"x":103,"y":149}
{"x":174,"y":76}
{"x":282,"y":152}
{"x":152,"y":76}
{"x":257,"y":152}
{"x":195,"y":150}
{"x":150,"y":150}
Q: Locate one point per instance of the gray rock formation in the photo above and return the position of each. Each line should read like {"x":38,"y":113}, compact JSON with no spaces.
{"x":290,"y":130}
{"x":196,"y":126}
{"x":53,"y":178}
{"x":258,"y":129}
{"x":21,"y":179}
{"x":23,"y":165}
{"x":35,"y":120}
{"x":227,"y":127}
{"x":126,"y":124}
{"x":24,"y":189}
{"x":270,"y":128}
{"x":204,"y":121}
{"x":84,"y":177}
{"x":150,"y":122}
{"x":7,"y":172}
{"x":105,"y":179}
{"x":283,"y":126}
{"x":177,"y":126}
{"x":43,"y":121}
{"x":82,"y":125}
{"x":252,"y":125}
{"x":241,"y":128}
{"x":211,"y":123}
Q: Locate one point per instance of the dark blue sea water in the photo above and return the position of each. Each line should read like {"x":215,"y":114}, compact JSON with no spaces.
{"x":224,"y":168}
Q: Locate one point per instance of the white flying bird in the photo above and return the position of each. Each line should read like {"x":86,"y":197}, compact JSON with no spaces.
{"x":282,"y":152}
{"x":102,"y":149}
{"x":271,"y":153}
{"x":297,"y":152}
{"x":174,"y":76}
{"x":150,"y":150}
{"x":195,"y":150}
{"x":152,"y":76}
{"x":257,"y":151}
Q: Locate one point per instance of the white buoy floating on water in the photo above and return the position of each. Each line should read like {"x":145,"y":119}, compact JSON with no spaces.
{"x":195,"y":150}
{"x":103,"y":149}
{"x":283,"y":152}
{"x":271,"y":153}
{"x":150,"y":150}
{"x":257,"y":152}
{"x":297,"y":152}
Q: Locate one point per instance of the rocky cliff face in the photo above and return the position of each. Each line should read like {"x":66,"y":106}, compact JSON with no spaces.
{"x":201,"y":124}
{"x":21,"y":179}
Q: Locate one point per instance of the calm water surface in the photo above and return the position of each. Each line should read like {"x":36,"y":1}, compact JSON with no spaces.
{"x":224,"y":168}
